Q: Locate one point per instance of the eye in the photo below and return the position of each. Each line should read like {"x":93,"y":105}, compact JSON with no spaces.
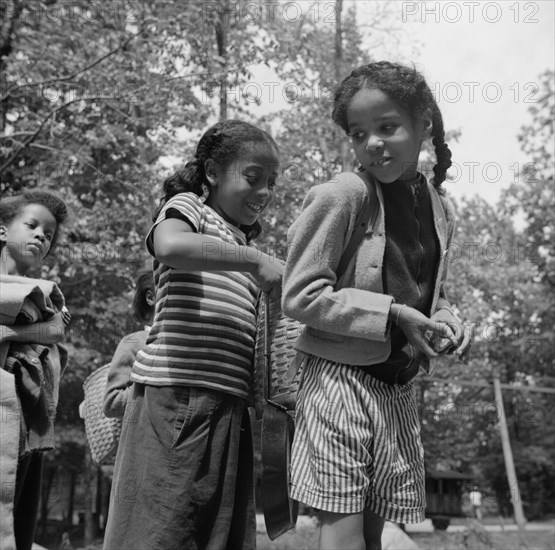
{"x":357,"y":136}
{"x":388,"y":128}
{"x":272,"y":183}
{"x":49,"y":236}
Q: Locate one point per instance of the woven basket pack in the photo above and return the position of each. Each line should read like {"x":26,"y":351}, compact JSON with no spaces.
{"x":103,"y":433}
{"x":276,"y":335}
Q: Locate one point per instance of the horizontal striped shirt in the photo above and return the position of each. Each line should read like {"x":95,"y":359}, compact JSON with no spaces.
{"x":204,"y":322}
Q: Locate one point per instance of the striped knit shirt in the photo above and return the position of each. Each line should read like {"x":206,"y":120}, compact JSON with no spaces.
{"x":204,"y":322}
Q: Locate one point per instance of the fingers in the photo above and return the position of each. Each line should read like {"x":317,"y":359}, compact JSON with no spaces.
{"x":424,"y":346}
{"x":464,"y":348}
{"x":66,"y":315}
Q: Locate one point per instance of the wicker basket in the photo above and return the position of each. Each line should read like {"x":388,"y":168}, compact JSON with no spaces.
{"x":103,"y":433}
{"x":274,"y":352}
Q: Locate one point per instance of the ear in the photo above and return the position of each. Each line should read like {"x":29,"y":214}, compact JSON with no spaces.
{"x":210,"y":169}
{"x":427,"y":125}
{"x":149,"y":297}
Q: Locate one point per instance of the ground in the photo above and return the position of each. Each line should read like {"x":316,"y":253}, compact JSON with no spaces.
{"x":462,"y":534}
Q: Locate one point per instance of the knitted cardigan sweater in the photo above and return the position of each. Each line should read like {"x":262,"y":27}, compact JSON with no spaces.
{"x":346,"y":321}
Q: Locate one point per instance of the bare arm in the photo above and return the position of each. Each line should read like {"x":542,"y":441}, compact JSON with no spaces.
{"x":176,"y":245}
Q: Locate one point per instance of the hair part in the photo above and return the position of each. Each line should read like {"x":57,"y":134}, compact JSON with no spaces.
{"x":408,"y":89}
{"x":223,"y":142}
{"x":11,"y":207}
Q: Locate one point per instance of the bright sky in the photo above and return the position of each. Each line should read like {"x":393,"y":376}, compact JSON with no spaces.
{"x":482,"y":60}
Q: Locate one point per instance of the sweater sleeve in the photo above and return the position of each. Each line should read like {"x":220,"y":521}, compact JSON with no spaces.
{"x":450,"y":216}
{"x":119,"y":384}
{"x":316,"y":241}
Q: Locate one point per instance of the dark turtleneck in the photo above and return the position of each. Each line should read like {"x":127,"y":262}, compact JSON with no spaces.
{"x":409,"y":268}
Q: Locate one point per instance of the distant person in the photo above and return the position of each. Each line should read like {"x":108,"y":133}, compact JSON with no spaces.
{"x":118,"y":387}
{"x":357,"y":454}
{"x":33,"y":318}
{"x":183,"y":476}
{"x":476,"y":501}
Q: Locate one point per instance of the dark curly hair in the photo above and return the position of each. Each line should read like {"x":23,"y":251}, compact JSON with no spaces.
{"x":11,"y":207}
{"x":223,"y":142}
{"x":406,"y":87}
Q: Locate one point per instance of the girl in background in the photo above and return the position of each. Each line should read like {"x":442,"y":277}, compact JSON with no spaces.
{"x":183,"y":476}
{"x":357,"y":454}
{"x":118,"y":387}
{"x":33,"y":318}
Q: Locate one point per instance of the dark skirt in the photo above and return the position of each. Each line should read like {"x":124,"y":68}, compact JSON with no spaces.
{"x":183,"y":478}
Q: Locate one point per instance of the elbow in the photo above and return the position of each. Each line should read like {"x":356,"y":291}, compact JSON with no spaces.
{"x":165,"y":254}
{"x":292,"y":307}
{"x":171,"y":252}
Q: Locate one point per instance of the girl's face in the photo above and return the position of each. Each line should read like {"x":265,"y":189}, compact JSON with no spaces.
{"x":28,"y":237}
{"x":242,"y":189}
{"x":386,"y":140}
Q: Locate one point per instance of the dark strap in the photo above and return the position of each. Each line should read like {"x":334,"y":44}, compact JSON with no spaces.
{"x":368,"y":212}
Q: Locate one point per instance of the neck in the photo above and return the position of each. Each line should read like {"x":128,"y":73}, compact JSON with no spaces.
{"x":8,"y":265}
{"x":410,"y":180}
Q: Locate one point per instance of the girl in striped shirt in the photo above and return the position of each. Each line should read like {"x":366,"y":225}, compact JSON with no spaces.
{"x":183,"y":473}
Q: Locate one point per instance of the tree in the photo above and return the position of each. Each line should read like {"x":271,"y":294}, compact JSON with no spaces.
{"x":513,"y":315}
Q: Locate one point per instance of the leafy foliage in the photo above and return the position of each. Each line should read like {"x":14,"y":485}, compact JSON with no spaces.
{"x":501,"y":281}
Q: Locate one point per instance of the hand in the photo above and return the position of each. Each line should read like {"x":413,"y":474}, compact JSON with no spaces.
{"x":418,"y":329}
{"x":269,"y":272}
{"x":460,"y":344}
{"x":66,"y":316}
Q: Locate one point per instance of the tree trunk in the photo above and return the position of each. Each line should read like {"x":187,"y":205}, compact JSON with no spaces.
{"x":9,"y":11}
{"x":90,"y":499}
{"x":71,"y":501}
{"x":345,"y":155}
{"x":338,"y":58}
{"x":222,"y":27}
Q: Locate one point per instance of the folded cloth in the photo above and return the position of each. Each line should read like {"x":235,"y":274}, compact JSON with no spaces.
{"x":10,"y":426}
{"x":36,"y":368}
{"x":30,"y":378}
{"x":28,"y":298}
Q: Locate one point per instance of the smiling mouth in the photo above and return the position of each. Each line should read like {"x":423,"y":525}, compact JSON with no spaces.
{"x":385,"y":161}
{"x":256,"y":207}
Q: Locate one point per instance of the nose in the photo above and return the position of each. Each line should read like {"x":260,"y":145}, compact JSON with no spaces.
{"x":264,"y":191}
{"x":374,"y":143}
{"x":39,"y":234}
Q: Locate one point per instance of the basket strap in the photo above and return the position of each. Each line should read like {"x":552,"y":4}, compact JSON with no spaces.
{"x":267,"y":347}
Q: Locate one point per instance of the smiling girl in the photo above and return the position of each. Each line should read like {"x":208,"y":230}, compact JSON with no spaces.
{"x":184,"y":471}
{"x":368,"y":334}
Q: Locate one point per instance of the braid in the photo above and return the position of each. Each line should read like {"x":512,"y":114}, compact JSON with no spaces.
{"x":406,"y":87}
{"x":443,"y":153}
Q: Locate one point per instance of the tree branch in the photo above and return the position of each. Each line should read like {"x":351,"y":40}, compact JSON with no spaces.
{"x":71,"y":76}
{"x":52,"y":113}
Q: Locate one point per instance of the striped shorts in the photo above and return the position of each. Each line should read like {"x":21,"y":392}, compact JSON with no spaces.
{"x":357,"y":444}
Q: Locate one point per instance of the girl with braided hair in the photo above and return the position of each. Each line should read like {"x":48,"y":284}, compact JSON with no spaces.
{"x":183,"y":476}
{"x":357,"y":454}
